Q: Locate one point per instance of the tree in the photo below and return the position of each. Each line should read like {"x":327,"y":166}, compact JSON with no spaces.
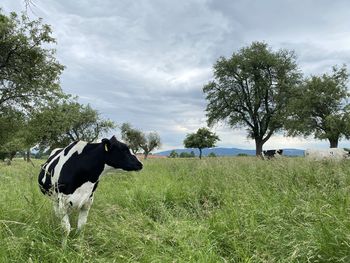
{"x":86,"y":122}
{"x":151,"y":142}
{"x":61,"y":123}
{"x":29,"y":72}
{"x":12,"y":123}
{"x":137,"y":140}
{"x":319,"y":108}
{"x":203,"y":138}
{"x":252,"y":89}
{"x":212,"y":154}
{"x":132,"y":137}
{"x":52,"y":126}
{"x":29,"y":76}
{"x":173,"y":154}
{"x":10,"y":148}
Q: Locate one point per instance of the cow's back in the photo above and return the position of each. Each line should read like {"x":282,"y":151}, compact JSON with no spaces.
{"x":69,"y":168}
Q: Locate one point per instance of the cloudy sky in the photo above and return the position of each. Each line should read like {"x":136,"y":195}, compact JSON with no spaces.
{"x":145,"y":62}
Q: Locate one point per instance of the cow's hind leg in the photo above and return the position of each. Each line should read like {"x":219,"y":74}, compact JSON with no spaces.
{"x":83,"y":214}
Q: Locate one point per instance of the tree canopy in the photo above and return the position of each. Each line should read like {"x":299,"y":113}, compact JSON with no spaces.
{"x":29,"y":77}
{"x":29,"y":71}
{"x":252,"y":89}
{"x":201,"y":139}
{"x":319,"y":107}
{"x":61,"y":123}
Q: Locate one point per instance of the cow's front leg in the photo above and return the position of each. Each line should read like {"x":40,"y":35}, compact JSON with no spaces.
{"x":83,"y":214}
{"x":65,"y":224}
{"x":56,"y":209}
{"x":61,"y":210}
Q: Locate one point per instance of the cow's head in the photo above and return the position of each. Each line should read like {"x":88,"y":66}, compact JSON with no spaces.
{"x":118,"y":155}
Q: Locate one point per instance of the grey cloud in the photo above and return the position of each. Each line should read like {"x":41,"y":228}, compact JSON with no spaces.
{"x":145,"y":62}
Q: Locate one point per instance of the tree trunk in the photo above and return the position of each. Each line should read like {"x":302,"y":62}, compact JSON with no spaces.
{"x":28,"y":155}
{"x":145,"y":155}
{"x":258,"y":147}
{"x":12,"y":154}
{"x":200,"y":153}
{"x":333,"y":143}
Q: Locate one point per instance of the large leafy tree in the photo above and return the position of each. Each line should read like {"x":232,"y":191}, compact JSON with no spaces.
{"x":319,"y":107}
{"x":252,"y":89}
{"x":137,"y":140}
{"x":201,"y":139}
{"x":29,"y":71}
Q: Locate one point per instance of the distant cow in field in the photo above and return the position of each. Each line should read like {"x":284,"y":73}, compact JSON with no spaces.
{"x":71,"y":175}
{"x":271,"y":153}
{"x":327,"y":154}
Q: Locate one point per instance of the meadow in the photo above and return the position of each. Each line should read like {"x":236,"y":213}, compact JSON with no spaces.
{"x":239,"y":209}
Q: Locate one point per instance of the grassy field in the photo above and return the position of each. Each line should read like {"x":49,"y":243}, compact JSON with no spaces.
{"x":188,"y":210}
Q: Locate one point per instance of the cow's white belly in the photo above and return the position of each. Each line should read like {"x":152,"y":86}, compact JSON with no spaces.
{"x":81,"y":196}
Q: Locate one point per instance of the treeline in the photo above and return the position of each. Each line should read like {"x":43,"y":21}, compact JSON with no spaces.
{"x":174,"y":154}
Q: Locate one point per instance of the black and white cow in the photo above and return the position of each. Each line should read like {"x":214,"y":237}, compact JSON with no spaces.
{"x":271,"y":153}
{"x":71,"y":175}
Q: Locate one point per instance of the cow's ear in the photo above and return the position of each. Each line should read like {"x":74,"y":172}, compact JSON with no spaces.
{"x":106,"y":144}
{"x":113,"y":139}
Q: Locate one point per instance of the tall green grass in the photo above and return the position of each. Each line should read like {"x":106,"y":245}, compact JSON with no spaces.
{"x":188,"y":210}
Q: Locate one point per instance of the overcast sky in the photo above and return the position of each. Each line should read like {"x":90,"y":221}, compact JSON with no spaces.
{"x":145,"y":62}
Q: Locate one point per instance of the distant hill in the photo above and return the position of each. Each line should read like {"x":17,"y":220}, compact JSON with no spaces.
{"x":220,"y":151}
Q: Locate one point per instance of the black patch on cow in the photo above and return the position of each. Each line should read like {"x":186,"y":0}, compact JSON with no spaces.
{"x":69,"y":147}
{"x":53,"y":156}
{"x":81,"y":168}
{"x":52,"y":167}
{"x":272,"y":153}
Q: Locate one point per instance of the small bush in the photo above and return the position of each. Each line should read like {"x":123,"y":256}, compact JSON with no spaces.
{"x":212,"y":154}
